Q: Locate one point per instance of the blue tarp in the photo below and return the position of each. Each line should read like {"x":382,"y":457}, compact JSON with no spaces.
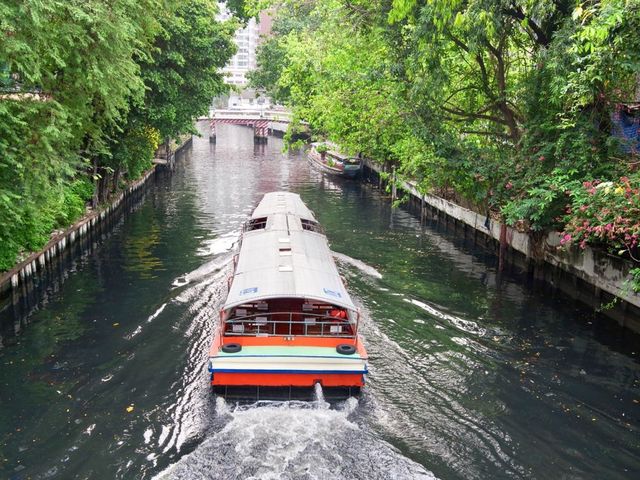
{"x":626,"y":127}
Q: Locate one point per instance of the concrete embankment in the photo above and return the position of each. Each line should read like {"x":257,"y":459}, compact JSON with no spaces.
{"x":17,"y":286}
{"x":591,"y":276}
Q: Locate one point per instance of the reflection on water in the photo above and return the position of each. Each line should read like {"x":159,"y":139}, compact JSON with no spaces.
{"x":472,"y":376}
{"x":140,"y":249}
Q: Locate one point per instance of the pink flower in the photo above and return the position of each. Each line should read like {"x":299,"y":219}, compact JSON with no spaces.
{"x":509,"y":185}
{"x":565,"y":239}
{"x":541,"y":158}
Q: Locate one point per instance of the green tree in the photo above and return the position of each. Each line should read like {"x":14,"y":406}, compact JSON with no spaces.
{"x":87,"y":88}
{"x":74,"y":74}
{"x":181,"y":76}
{"x":502,"y":105}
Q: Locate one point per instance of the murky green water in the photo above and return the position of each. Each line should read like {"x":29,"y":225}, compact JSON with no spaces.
{"x":472,"y":376}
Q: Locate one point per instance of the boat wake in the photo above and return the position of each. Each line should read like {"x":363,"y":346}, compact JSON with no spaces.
{"x":359,"y":264}
{"x":265,"y":440}
{"x":219,"y":245}
{"x":464,"y":325}
{"x":292,"y":440}
{"x":201,"y":272}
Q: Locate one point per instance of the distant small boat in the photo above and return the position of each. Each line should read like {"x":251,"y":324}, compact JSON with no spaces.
{"x":288,"y":323}
{"x":326,"y":157}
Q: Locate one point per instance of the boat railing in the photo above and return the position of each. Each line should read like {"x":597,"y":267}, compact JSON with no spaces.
{"x":300,"y":324}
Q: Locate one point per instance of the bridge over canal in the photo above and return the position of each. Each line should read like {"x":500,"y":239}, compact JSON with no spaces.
{"x":261,"y":120}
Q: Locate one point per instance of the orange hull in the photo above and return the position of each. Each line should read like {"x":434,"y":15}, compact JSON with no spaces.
{"x":288,"y":380}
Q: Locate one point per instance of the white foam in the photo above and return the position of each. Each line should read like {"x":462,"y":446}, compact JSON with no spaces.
{"x":464,"y":325}
{"x":201,"y":272}
{"x":359,"y":264}
{"x":219,"y":245}
{"x":293,"y":440}
{"x":321,"y":403}
{"x":150,"y":319}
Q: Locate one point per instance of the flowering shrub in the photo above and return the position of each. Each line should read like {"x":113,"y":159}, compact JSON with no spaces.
{"x":606,"y":214}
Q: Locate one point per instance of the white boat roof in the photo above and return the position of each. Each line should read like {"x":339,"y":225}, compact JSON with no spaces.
{"x":282,"y":203}
{"x":283,"y":260}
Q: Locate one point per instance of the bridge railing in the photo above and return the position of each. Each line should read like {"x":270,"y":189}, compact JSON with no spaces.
{"x":272,"y":115}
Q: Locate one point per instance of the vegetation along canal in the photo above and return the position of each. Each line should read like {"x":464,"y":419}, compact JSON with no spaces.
{"x":470,"y":377}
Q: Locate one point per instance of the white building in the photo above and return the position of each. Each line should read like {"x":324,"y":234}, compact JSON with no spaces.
{"x":244,"y":60}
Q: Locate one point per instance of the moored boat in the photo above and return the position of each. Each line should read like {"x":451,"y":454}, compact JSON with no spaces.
{"x":326,"y":157}
{"x":288,"y":322}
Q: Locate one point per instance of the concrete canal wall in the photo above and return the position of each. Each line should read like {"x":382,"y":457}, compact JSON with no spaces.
{"x":590,"y":276}
{"x":278,"y":129}
{"x":17,"y":285}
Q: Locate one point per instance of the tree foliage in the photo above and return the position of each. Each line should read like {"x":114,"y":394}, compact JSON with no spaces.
{"x":504,"y":105}
{"x":77,"y":88}
{"x":182,"y":73}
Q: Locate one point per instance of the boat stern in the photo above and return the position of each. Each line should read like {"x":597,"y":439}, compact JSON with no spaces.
{"x":343,"y":365}
{"x":351,"y":170}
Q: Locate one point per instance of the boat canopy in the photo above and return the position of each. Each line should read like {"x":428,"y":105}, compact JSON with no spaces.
{"x":282,"y":203}
{"x":286,"y":257}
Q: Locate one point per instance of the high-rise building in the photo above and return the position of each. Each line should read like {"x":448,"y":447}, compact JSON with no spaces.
{"x":247,"y":40}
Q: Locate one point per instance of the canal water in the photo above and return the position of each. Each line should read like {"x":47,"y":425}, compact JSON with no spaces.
{"x":472,"y":376}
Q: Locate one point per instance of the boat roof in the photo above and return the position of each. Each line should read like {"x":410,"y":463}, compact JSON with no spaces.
{"x":278,"y":203}
{"x":284,"y":260}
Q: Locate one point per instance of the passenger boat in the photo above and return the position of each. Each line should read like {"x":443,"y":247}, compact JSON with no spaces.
{"x":288,"y":322}
{"x":326,"y":157}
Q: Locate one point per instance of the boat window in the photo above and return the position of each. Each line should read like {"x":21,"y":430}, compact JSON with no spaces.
{"x":255,"y":224}
{"x":311,"y":225}
{"x":285,"y":251}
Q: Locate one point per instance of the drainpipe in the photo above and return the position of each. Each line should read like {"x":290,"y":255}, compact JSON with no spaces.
{"x":503,"y":246}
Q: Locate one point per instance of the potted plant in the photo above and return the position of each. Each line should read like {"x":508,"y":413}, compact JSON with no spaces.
{"x":322,"y":149}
